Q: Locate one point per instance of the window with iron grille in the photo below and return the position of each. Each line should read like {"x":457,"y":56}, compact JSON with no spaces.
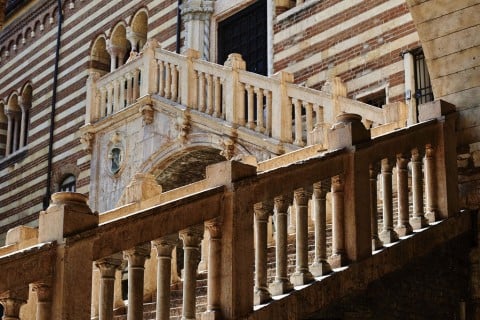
{"x":423,"y":86}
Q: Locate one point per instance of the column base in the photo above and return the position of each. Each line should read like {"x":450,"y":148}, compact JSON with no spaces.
{"x":432,"y":216}
{"x":337,"y":260}
{"x":261,"y":296}
{"x":388,"y":236}
{"x":404,"y":229}
{"x":300,"y":278}
{"x":280,"y":286}
{"x":376,"y":243}
{"x":320,"y":268}
{"x":211,"y":315}
{"x":419,"y":222}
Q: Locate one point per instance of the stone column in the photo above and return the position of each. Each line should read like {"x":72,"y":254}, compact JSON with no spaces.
{"x":23,"y":123}
{"x":403,"y":227}
{"x":281,"y":284}
{"x":214,"y":228}
{"x":418,"y":221}
{"x":108,"y":267}
{"x":261,"y":293}
{"x":430,"y":184}
{"x":191,"y":241}
{"x":302,"y":275}
{"x":44,"y":300}
{"x":164,"y":247}
{"x":376,"y":242}
{"x":320,"y":264}
{"x":11,"y":301}
{"x":388,"y":235}
{"x":196,"y":17}
{"x":136,"y":267}
{"x":338,"y":224}
{"x":8,"y":148}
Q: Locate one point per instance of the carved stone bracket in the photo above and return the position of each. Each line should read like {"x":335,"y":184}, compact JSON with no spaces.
{"x":183,"y":127}
{"x":87,"y":141}
{"x":147,"y":112}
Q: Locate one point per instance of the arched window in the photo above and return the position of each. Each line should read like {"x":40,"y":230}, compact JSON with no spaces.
{"x":99,"y":56}
{"x":69,"y":183}
{"x":14,"y":116}
{"x":119,"y":47}
{"x":3,"y":130}
{"x":137,"y":32}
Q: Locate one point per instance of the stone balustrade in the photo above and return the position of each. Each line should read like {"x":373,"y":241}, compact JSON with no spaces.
{"x":234,"y":204}
{"x":230,"y":93}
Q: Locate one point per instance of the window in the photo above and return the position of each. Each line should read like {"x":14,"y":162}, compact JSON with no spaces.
{"x":376,"y":99}
{"x":68,"y":183}
{"x":423,"y":86}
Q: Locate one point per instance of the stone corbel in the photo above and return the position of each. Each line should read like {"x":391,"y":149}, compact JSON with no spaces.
{"x":228,"y":147}
{"x":183,"y":127}
{"x":87,"y":141}
{"x":147,"y":111}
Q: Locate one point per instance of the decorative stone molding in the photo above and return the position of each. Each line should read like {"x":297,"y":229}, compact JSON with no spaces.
{"x":115,"y":161}
{"x":228,"y":148}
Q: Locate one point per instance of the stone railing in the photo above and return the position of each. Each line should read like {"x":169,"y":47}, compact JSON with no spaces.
{"x":228,"y":203}
{"x":273,"y":106}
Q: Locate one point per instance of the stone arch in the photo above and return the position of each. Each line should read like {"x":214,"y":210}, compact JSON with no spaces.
{"x":61,"y":173}
{"x":13,"y":113}
{"x":138,"y":29}
{"x":10,"y":47}
{"x":36,"y":28}
{"x":53,"y":16}
{"x":28,"y":32}
{"x":19,"y":40}
{"x":46,"y":19}
{"x":118,"y":46}
{"x":99,"y":56}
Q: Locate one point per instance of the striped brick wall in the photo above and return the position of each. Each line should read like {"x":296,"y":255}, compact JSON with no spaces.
{"x":358,"y":40}
{"x":23,"y":175}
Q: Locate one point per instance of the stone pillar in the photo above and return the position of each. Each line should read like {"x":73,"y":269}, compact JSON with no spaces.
{"x":261,"y":293}
{"x":116,"y":55}
{"x":44,"y":300}
{"x":196,"y":16}
{"x":136,"y":39}
{"x":107,"y":267}
{"x":302,"y":275}
{"x":8,"y":148}
{"x":320,"y":264}
{"x":418,"y":221}
{"x":164,"y":247}
{"x":136,"y":267}
{"x":388,"y":235}
{"x":338,"y":258}
{"x":430,"y":184}
{"x":403,"y":227}
{"x":214,"y":292}
{"x":281,"y":284}
{"x":23,"y":123}
{"x":191,"y":241}
{"x":11,"y":301}
{"x":376,"y":242}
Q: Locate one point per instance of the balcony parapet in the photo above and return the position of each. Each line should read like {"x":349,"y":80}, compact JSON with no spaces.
{"x":273,"y":106}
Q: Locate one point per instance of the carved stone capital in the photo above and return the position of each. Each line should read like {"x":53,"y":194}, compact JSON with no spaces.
{"x":214,"y":228}
{"x":228,"y":150}
{"x":402,"y":161}
{"x":109,"y":265}
{"x":192,"y":236}
{"x":301,"y":197}
{"x":281,"y":204}
{"x":320,"y":189}
{"x":136,"y":256}
{"x":43,"y":290}
{"x":373,"y":170}
{"x":12,"y":300}
{"x":165,"y":245}
{"x":387,"y":165}
{"x":338,"y":182}
{"x":416,"y":155}
{"x":183,"y":127}
{"x":429,"y":151}
{"x":262,"y":211}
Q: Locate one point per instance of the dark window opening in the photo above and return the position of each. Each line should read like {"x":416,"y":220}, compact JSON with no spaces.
{"x":69,"y":184}
{"x":246,"y":33}
{"x":423,"y":86}
{"x":376,"y":99}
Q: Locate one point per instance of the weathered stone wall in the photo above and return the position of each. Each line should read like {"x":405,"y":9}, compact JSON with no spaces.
{"x":430,"y":287}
